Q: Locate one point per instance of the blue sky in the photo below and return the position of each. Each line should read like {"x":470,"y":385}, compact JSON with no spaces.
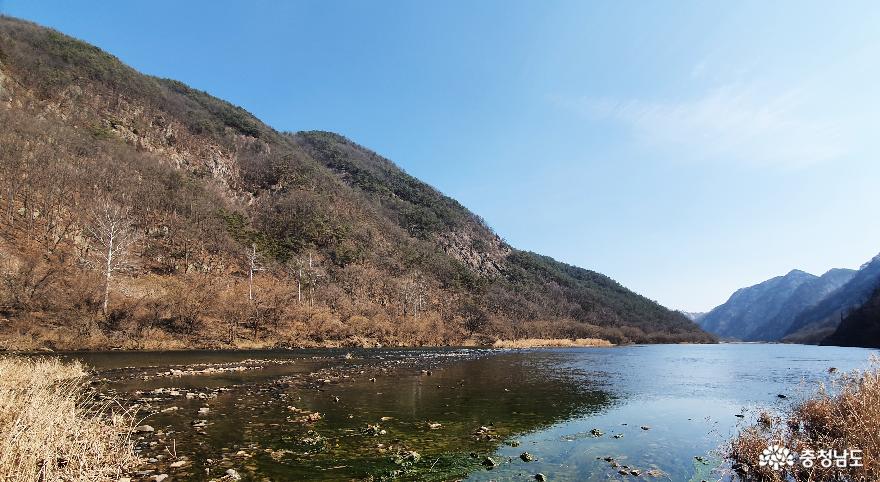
{"x":684,"y":148}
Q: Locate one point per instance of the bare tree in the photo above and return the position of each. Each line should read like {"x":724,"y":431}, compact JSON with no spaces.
{"x":253,"y":265}
{"x":113,"y":235}
{"x":294,"y":269}
{"x":414,"y":289}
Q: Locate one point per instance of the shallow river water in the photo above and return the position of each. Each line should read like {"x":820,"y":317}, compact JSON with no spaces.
{"x":433,"y":414}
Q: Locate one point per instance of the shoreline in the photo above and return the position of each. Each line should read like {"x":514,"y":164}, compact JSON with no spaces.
{"x":526,"y":343}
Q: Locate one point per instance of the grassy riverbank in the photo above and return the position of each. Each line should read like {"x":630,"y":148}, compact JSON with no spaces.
{"x":551,"y":343}
{"x":52,"y":428}
{"x":840,"y":417}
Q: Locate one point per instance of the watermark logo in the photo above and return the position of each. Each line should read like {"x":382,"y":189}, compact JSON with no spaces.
{"x":779,"y":457}
{"x":776,"y":456}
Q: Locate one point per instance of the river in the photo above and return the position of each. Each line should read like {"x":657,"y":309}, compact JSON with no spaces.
{"x":437,"y":414}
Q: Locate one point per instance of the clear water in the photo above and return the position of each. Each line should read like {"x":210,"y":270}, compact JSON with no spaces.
{"x":544,"y":401}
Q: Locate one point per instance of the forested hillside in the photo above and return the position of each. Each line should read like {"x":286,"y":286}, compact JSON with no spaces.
{"x":138,"y":212}
{"x":821,"y":320}
{"x":861,"y":327}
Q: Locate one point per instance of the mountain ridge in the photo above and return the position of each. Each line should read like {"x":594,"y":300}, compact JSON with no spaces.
{"x":749,"y":307}
{"x":822,"y":319}
{"x":249,"y":234}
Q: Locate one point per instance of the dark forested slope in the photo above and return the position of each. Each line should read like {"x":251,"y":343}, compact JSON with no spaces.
{"x":229,"y":232}
{"x":821,"y":320}
{"x":861,"y":327}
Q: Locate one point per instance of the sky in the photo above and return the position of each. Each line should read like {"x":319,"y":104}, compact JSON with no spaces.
{"x":686,"y":149}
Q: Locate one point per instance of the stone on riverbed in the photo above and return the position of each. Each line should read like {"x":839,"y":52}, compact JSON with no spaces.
{"x":526,"y":457}
{"x":232,"y":474}
{"x":144,"y":429}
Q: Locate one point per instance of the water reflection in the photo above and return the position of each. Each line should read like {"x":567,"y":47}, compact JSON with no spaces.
{"x":475,"y":405}
{"x":579,"y":412}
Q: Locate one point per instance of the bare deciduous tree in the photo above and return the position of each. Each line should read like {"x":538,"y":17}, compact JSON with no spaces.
{"x":113,"y":235}
{"x":253,"y":265}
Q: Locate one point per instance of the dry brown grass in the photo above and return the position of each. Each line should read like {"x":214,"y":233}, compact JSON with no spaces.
{"x":550,"y":342}
{"x":841,"y":417}
{"x":52,"y":429}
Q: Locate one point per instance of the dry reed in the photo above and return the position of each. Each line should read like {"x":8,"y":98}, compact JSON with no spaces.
{"x":52,"y":428}
{"x":842,"y":417}
{"x":550,"y":342}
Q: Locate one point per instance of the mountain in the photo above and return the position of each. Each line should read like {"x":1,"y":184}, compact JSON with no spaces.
{"x":861,"y":327}
{"x":750,"y":308}
{"x":805,"y":296}
{"x":694,"y":316}
{"x":820,"y":321}
{"x":227,"y":232}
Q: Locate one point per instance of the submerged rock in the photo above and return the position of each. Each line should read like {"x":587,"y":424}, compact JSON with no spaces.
{"x":526,"y":457}
{"x":540,"y":477}
{"x":596,"y":432}
{"x":490,"y":463}
{"x":144,"y":429}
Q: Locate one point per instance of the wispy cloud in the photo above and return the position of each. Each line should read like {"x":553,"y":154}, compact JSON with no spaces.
{"x":729,"y":123}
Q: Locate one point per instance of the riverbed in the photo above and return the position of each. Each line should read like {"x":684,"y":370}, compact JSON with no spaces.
{"x":659,"y":411}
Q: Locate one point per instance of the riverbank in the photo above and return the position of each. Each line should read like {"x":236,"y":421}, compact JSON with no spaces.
{"x":841,"y":418}
{"x":52,"y":428}
{"x":551,"y":343}
{"x":448,"y":414}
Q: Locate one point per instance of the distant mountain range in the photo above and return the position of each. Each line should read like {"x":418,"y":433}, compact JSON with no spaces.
{"x":694,"y":316}
{"x":798,"y":307}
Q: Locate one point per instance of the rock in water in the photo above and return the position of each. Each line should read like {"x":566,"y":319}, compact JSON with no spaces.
{"x":144,"y":429}
{"x":526,"y":457}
